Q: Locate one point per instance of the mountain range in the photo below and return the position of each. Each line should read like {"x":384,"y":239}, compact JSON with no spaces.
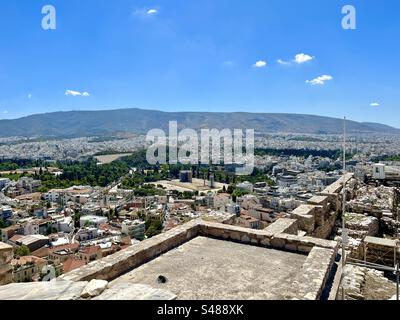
{"x":109,"y":122}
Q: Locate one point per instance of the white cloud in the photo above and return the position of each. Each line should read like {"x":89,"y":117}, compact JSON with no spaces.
{"x":76,"y":93}
{"x":282,"y":62}
{"x":260,"y":64}
{"x":299,"y":58}
{"x":145,"y":12}
{"x":5,"y":111}
{"x":29,"y":96}
{"x":151,"y":12}
{"x":302,"y":58}
{"x":320,"y":80}
{"x":374,"y":104}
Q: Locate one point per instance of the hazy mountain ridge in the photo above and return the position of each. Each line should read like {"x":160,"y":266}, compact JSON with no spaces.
{"x":92,"y":123}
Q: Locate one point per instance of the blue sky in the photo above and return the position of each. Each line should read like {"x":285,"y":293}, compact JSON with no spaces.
{"x":186,"y":55}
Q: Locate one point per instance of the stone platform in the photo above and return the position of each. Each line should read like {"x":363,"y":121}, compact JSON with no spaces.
{"x":206,"y":268}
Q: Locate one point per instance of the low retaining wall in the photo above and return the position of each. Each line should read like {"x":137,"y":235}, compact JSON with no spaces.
{"x":314,"y":270}
{"x":118,"y":263}
{"x":311,"y":279}
{"x":283,"y":225}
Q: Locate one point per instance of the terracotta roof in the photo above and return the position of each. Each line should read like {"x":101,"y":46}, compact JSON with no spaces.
{"x":90,"y":250}
{"x":28,"y":259}
{"x":71,"y":246}
{"x":16,"y":237}
{"x":72,"y":264}
{"x":41,"y":252}
{"x":107,"y":227}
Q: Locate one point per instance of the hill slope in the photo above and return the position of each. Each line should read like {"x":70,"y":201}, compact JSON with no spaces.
{"x":89,"y":123}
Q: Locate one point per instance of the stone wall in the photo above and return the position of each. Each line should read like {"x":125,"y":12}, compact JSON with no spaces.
{"x":6,"y":269}
{"x":283,"y":225}
{"x":118,"y":263}
{"x":273,"y":237}
{"x":311,"y":280}
{"x":305,"y":216}
{"x":317,"y":218}
{"x":381,"y":251}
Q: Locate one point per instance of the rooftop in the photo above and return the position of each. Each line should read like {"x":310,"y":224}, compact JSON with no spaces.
{"x":251,"y":273}
{"x":265,"y":264}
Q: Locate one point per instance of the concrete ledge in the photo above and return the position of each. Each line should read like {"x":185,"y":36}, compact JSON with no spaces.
{"x":234,"y":233}
{"x":305,"y":216}
{"x":311,"y":279}
{"x":53,"y":290}
{"x":337,"y":186}
{"x":302,"y":244}
{"x":319,"y":201}
{"x":283,"y":225}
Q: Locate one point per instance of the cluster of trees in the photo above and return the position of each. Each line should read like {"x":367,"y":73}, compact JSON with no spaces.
{"x":88,"y":172}
{"x":391,"y":158}
{"x":4,"y":224}
{"x":82,"y":173}
{"x":13,"y":164}
{"x":8,"y":166}
{"x":154,"y":226}
{"x":332,"y":154}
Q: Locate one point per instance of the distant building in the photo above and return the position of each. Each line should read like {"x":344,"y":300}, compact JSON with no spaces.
{"x":27,"y":268}
{"x":31,"y":228}
{"x":52,"y":196}
{"x":6,"y":213}
{"x":90,"y":253}
{"x":33,"y":242}
{"x":186,"y":176}
{"x":135,"y":229}
{"x":246,"y":186}
{"x":233,"y":209}
{"x":86,"y":234}
{"x":62,"y":223}
{"x":90,"y":220}
{"x":285,"y":181}
{"x":4,"y":182}
{"x":9,"y":232}
{"x":379,"y":171}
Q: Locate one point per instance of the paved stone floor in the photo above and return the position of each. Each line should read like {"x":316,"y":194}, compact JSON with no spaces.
{"x":205,"y":268}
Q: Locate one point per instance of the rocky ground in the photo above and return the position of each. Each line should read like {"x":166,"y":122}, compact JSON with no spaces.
{"x":367,"y":284}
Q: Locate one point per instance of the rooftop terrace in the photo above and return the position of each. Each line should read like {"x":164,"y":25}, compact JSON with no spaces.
{"x":221,"y":270}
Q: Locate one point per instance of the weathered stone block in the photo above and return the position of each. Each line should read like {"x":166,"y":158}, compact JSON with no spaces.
{"x":245,"y":238}
{"x":266,"y":242}
{"x":283,"y":225}
{"x":94,"y":288}
{"x":278,"y":243}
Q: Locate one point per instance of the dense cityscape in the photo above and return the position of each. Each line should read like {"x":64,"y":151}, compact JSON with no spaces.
{"x":199,"y":158}
{"x":67,"y":203}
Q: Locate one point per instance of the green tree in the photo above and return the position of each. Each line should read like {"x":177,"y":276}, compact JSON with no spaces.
{"x":22,"y":251}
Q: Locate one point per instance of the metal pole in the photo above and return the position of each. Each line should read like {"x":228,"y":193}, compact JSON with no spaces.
{"x":397,"y":281}
{"x":344,"y":206}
